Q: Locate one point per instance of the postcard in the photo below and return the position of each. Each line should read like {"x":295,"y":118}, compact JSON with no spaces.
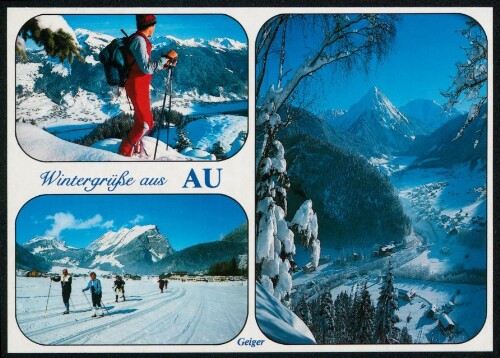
{"x":249,"y":180}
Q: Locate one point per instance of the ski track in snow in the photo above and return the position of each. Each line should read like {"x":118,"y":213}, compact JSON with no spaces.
{"x":186,"y":313}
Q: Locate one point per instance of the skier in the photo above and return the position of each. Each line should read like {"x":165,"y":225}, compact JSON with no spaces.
{"x":119,"y":287}
{"x":161,"y":284}
{"x":96,"y":289}
{"x":139,"y":80}
{"x":65,"y":280}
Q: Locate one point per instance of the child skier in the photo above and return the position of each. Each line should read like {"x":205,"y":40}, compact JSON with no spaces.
{"x":119,"y":287}
{"x":65,"y":280}
{"x":161,"y":284}
{"x":139,"y":80}
{"x":96,"y":289}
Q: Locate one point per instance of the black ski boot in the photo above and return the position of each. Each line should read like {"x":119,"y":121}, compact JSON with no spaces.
{"x":116,"y":300}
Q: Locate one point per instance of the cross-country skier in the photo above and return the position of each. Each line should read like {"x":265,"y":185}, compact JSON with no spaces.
{"x":65,"y":280}
{"x":139,"y":80}
{"x":119,"y":287}
{"x":95,"y":288}
{"x":161,"y":284}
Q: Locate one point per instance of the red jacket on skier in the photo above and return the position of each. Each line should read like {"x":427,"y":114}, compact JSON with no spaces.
{"x":139,"y":81}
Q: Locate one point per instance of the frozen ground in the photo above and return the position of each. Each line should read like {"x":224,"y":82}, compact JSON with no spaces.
{"x":186,"y":313}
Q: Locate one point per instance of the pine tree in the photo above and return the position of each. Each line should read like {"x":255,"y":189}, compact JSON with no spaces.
{"x":326,"y":318}
{"x":386,"y":317}
{"x":218,"y":150}
{"x":342,"y":318}
{"x":183,"y":141}
{"x":405,"y":337}
{"x":57,"y":43}
{"x":365,"y":318}
{"x":303,"y":311}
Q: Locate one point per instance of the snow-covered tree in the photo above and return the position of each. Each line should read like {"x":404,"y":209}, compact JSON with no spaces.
{"x":364,"y":326}
{"x":219,"y":151}
{"x":469,"y":83}
{"x":305,"y":224}
{"x":183,"y":141}
{"x":405,"y":337}
{"x":342,"y":312}
{"x":387,"y":305}
{"x":344,"y":40}
{"x":52,"y":33}
{"x":304,"y":312}
{"x":326,"y":318}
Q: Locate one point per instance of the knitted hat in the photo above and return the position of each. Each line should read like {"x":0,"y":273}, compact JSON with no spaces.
{"x":144,"y":21}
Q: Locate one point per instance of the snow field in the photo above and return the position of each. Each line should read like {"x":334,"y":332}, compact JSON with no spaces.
{"x":186,"y":313}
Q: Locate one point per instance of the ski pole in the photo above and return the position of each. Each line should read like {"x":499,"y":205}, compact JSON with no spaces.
{"x":87,"y":299}
{"x":103,"y":305}
{"x":47,"y":305}
{"x":72,"y":304}
{"x":74,"y":309}
{"x":161,"y":114}
{"x":169,"y":103}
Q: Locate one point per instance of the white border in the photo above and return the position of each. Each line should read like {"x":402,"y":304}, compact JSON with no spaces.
{"x":23,"y":183}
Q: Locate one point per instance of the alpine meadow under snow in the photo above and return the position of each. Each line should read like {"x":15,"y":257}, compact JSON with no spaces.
{"x":69,"y":100}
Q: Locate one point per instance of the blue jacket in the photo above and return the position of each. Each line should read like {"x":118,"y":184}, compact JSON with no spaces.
{"x":96,"y":284}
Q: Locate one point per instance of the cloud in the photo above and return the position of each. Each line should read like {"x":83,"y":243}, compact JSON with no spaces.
{"x":137,"y":220}
{"x":67,"y":221}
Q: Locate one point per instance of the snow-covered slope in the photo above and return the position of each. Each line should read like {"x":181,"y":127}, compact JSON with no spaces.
{"x":42,"y":145}
{"x":278,"y":323}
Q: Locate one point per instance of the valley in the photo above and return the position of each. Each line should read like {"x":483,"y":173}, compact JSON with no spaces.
{"x":443,"y":257}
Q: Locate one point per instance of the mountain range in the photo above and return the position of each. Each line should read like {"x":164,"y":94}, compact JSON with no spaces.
{"x":383,"y":127}
{"x":336,"y":159}
{"x":140,"y":250}
{"x":207,"y":69}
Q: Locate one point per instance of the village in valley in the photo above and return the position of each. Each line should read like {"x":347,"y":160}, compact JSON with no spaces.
{"x":432,"y":311}
{"x":176,"y":276}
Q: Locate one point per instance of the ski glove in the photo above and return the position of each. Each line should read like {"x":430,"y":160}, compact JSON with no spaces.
{"x":171,"y":57}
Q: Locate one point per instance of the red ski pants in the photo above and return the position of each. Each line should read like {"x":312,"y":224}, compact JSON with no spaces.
{"x":137,"y":88}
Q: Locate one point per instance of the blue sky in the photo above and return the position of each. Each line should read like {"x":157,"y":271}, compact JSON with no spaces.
{"x":185,"y":220}
{"x":180,"y":26}
{"x":420,"y":65}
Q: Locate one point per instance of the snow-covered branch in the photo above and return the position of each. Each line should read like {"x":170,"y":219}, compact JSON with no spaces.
{"x":52,"y":33}
{"x":471,"y":77}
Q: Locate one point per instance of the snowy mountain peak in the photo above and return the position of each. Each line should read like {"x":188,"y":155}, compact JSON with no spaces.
{"x":119,"y":239}
{"x":91,"y":40}
{"x":45,"y":243}
{"x":375,"y":103}
{"x":227,"y":44}
{"x":428,"y":112}
{"x":220,"y":44}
